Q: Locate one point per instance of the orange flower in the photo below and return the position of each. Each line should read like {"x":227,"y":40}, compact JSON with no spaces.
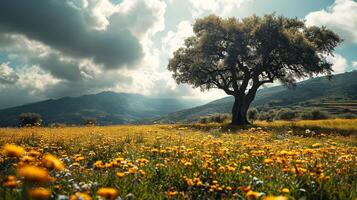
{"x":34,"y":174}
{"x":34,"y":153}
{"x":251,"y":195}
{"x":11,"y":182}
{"x":133,"y":170}
{"x":39,"y":193}
{"x":171,"y":193}
{"x":108,"y":193}
{"x":285,"y":190}
{"x":12,"y":150}
{"x":244,"y":188}
{"x":80,"y":196}
{"x":268,"y":161}
{"x":27,"y":159}
{"x":99,"y":164}
{"x":52,"y":162}
{"x":120,"y":174}
{"x":142,"y":172}
{"x":275,"y":198}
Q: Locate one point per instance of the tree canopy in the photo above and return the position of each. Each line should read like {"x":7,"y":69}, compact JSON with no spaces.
{"x":239,"y":56}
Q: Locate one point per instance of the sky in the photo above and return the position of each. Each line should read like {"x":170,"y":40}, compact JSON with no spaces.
{"x":55,"y":48}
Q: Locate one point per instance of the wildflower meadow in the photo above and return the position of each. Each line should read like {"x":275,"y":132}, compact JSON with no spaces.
{"x":175,"y":162}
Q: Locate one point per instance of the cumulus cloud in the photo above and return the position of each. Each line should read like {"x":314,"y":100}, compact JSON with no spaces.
{"x":7,"y":74}
{"x":31,"y":84}
{"x":340,"y":17}
{"x":175,"y":39}
{"x":222,"y":7}
{"x":62,"y":26}
{"x":339,"y":63}
{"x":354,"y":65}
{"x":141,"y":17}
{"x":70,"y":48}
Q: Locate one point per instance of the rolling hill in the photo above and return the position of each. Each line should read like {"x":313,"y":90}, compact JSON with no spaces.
{"x":106,"y":107}
{"x":338,"y":95}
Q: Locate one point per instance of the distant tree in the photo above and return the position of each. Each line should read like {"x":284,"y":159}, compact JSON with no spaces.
{"x":30,"y":119}
{"x":90,"y":121}
{"x":286,"y":114}
{"x":239,"y":56}
{"x":315,"y":114}
{"x":253,"y":114}
{"x":218,"y":118}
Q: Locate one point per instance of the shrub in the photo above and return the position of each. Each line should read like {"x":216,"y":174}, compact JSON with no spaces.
{"x":57,"y":125}
{"x":315,"y":114}
{"x":347,"y":116}
{"x":218,"y":118}
{"x":30,"y":119}
{"x":286,"y":114}
{"x":267,"y":116}
{"x":253,"y":114}
{"x":90,"y":121}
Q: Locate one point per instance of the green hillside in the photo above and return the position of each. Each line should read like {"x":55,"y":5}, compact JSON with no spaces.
{"x":106,"y":107}
{"x":337,"y":96}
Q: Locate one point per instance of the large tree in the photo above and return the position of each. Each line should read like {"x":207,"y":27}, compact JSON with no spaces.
{"x":239,"y":56}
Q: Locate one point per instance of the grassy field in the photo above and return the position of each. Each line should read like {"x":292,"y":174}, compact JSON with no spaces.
{"x":332,"y":124}
{"x":174,"y":161}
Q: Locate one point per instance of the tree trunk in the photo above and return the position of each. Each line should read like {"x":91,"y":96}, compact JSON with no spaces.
{"x":239,"y":111}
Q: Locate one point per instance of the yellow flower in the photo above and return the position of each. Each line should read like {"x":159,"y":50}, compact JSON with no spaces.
{"x":133,"y":170}
{"x":251,"y":195}
{"x":190,"y":182}
{"x":33,"y":153}
{"x":171,"y":193}
{"x":120,"y":174}
{"x":39,"y":193}
{"x":34,"y":174}
{"x":28,"y":159}
{"x":247,"y":168}
{"x":244,"y":188}
{"x":275,"y":198}
{"x":108,"y":193}
{"x":12,"y":150}
{"x":99,"y":164}
{"x":316,"y":145}
{"x":11,"y":182}
{"x":52,"y":162}
{"x":80,"y":196}
{"x":285,"y":190}
{"x":268,"y":161}
{"x":142,"y":172}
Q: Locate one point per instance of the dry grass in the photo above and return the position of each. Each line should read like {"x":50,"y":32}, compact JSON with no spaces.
{"x":337,"y":124}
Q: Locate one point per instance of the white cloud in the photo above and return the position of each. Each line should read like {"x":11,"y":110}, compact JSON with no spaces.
{"x":173,"y":40}
{"x":143,"y":18}
{"x":221,"y":7}
{"x":340,"y":17}
{"x":7,"y":74}
{"x":45,"y":72}
{"x":339,"y":63}
{"x":34,"y":78}
{"x":354,"y":65}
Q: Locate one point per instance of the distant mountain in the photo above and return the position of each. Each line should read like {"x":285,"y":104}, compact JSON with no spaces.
{"x":341,"y":86}
{"x":106,"y":107}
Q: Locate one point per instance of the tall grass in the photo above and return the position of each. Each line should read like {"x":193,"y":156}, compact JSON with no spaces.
{"x":338,"y":124}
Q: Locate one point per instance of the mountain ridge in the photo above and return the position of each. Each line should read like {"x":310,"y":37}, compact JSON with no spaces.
{"x":107,"y":107}
{"x":342,"y":85}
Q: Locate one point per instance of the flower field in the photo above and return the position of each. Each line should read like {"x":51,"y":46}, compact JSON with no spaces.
{"x":175,"y":162}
